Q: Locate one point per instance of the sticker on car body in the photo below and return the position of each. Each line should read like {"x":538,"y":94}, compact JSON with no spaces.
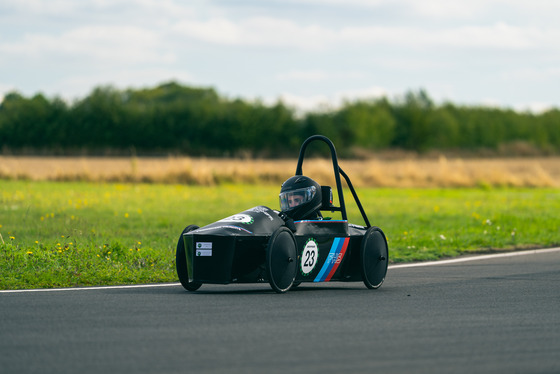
{"x":309,"y":256}
{"x":334,"y":259}
{"x":239,"y":218}
{"x":204,"y":249}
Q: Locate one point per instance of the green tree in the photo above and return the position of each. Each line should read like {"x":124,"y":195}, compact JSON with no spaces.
{"x":371,"y":123}
{"x":443,"y":128}
{"x":33,"y":123}
{"x":412,"y":130}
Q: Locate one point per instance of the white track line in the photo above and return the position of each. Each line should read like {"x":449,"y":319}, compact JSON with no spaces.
{"x":391,"y":267}
{"x":93,"y":288}
{"x":475,"y":258}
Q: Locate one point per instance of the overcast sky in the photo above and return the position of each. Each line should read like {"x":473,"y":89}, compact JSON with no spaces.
{"x":306,"y":52}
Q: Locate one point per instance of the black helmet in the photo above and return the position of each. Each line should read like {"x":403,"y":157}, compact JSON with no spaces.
{"x":300,"y":197}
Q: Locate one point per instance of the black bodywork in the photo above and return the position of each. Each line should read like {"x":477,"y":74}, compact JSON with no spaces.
{"x":264,"y":245}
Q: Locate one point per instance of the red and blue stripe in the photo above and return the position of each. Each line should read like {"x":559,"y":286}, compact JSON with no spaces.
{"x":334,"y":259}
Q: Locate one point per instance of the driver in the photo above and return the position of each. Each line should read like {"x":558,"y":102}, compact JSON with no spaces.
{"x":300,"y":198}
{"x":295,"y":199}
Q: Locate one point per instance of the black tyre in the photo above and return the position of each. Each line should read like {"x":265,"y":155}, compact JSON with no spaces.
{"x":281,"y":264}
{"x":374,"y":256}
{"x":181,"y":263}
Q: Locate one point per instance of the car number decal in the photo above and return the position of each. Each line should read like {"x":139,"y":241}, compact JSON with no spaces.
{"x":309,"y":256}
{"x":334,"y":258}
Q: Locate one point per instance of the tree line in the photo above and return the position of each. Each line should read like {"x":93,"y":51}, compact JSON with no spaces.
{"x":177,"y":119}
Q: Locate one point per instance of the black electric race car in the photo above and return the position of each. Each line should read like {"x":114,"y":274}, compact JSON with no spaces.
{"x":288,"y":247}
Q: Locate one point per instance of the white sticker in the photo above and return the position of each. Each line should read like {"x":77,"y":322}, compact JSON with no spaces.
{"x":239,"y":218}
{"x":309,"y":257}
{"x":204,"y":245}
{"x":203,"y":252}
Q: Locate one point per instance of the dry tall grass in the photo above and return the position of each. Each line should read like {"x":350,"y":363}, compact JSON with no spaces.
{"x":442,"y":172}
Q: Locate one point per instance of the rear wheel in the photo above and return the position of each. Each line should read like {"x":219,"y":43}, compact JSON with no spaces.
{"x":181,"y":262}
{"x":281,"y":264}
{"x":374,"y":255}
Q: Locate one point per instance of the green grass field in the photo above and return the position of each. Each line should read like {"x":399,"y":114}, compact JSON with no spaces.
{"x":57,"y":234}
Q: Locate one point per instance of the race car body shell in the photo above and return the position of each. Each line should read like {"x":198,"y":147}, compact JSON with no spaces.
{"x":234,"y":249}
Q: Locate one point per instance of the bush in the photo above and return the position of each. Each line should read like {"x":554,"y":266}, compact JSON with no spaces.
{"x":176,"y":119}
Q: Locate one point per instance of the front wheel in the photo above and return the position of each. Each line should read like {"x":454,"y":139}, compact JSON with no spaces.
{"x":181,"y":262}
{"x":281,"y":264}
{"x":374,"y":256}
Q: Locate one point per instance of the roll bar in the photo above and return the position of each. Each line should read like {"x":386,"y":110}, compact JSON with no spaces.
{"x":337,"y":173}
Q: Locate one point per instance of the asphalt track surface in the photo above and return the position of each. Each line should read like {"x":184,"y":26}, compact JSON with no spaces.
{"x":485,"y":315}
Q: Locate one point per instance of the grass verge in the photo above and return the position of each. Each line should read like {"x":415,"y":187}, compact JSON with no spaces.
{"x":76,"y":234}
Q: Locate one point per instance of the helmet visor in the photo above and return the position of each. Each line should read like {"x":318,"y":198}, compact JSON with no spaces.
{"x":295,"y":198}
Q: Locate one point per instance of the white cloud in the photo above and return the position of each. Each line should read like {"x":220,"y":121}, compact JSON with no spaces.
{"x":317,"y":75}
{"x":271,"y":32}
{"x":447,"y":9}
{"x":73,"y":86}
{"x":220,"y":31}
{"x":4,"y":89}
{"x":264,"y":49}
{"x":531,"y":74}
{"x":260,"y":31}
{"x":99,"y":9}
{"x":303,"y":75}
{"x":373,"y":92}
{"x":304,"y":103}
{"x":330,"y":102}
{"x":107,"y":45}
{"x":533,"y":107}
{"x":40,"y":7}
{"x":499,"y":35}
